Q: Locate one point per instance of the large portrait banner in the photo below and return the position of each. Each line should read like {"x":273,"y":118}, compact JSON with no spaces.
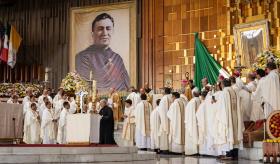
{"x":103,"y":45}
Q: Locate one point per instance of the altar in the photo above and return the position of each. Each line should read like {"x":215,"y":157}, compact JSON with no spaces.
{"x":83,"y":128}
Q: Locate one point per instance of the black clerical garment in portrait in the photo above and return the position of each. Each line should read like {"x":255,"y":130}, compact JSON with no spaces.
{"x":107,"y":68}
{"x":106,"y":126}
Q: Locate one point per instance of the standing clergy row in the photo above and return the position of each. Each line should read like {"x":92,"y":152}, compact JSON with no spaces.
{"x":179,"y":126}
{"x":45,"y":121}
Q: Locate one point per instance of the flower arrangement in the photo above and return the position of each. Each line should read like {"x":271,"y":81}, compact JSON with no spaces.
{"x":6,"y":89}
{"x":73,"y":82}
{"x":265,"y":57}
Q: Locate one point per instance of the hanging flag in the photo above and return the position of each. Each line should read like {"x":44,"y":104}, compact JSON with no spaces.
{"x":205,"y":65}
{"x":14,"y":43}
{"x":5,"y":49}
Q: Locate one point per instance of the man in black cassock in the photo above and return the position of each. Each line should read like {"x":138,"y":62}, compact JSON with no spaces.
{"x":106,"y":124}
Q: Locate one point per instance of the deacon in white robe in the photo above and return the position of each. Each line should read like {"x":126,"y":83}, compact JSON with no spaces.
{"x":202,"y":124}
{"x":134,"y":97}
{"x":62,"y":132}
{"x":271,"y":90}
{"x":245,"y":99}
{"x":13,"y":100}
{"x":27,"y":97}
{"x":229,"y":123}
{"x":43,"y":106}
{"x":164,"y":105}
{"x":257,"y":107}
{"x":176,"y":115}
{"x":155,"y":126}
{"x":48,"y":131}
{"x":58,"y":96}
{"x":73,"y":105}
{"x":27,"y":104}
{"x":191,"y":131}
{"x":128,"y":133}
{"x":45,"y":94}
{"x":59,"y":105}
{"x":31,"y":128}
{"x":142,"y":123}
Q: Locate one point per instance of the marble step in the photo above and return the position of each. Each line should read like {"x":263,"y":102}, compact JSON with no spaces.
{"x":253,"y":154}
{"x":76,"y":158}
{"x":67,"y":150}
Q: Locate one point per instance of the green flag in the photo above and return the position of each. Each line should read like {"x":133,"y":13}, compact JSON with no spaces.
{"x":205,"y":65}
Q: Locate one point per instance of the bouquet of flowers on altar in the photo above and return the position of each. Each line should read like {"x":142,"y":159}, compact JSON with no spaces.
{"x":265,"y":57}
{"x":73,"y":82}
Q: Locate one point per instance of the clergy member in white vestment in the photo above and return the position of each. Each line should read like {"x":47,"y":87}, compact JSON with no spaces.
{"x":202,"y":124}
{"x":59,"y":105}
{"x":43,"y":106}
{"x":155,"y":125}
{"x":45,"y":94}
{"x":191,"y":131}
{"x":73,"y":105}
{"x":61,"y":134}
{"x":48,"y":131}
{"x":176,"y":115}
{"x":27,"y":97}
{"x":229,"y":123}
{"x":245,"y":99}
{"x":134,"y":97}
{"x":164,"y":105}
{"x":142,"y":122}
{"x":257,"y":107}
{"x":128,"y":133}
{"x":271,"y":90}
{"x":13,"y":100}
{"x":27,"y":104}
{"x":58,"y":96}
{"x":31,"y":128}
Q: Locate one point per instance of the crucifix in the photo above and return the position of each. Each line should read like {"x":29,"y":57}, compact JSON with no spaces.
{"x":81,"y":94}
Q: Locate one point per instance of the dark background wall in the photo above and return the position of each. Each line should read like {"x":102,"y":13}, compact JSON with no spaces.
{"x":44,"y":26}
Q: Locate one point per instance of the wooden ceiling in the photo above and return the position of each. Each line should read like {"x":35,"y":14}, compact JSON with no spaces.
{"x":7,"y":2}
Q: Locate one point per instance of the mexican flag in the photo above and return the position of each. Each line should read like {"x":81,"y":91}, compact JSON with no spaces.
{"x":205,"y":65}
{"x":14,"y":43}
{"x":5,"y":49}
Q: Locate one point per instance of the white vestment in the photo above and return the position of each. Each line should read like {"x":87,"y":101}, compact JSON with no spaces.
{"x":257,"y":108}
{"x":41,"y":99}
{"x":135,"y":98}
{"x":176,"y":115}
{"x":27,"y":106}
{"x":61,"y":134}
{"x":128,"y":133}
{"x":56,"y":98}
{"x":31,"y":128}
{"x":73,"y":106}
{"x":191,"y":131}
{"x":25,"y":99}
{"x":245,"y":102}
{"x":155,"y":125}
{"x":48,"y":133}
{"x":271,"y":92}
{"x":228,"y":122}
{"x":142,"y":122}
{"x":164,"y":105}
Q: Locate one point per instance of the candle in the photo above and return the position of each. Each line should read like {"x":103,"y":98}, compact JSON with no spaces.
{"x":46,"y":74}
{"x":93,"y":91}
{"x":90,"y":75}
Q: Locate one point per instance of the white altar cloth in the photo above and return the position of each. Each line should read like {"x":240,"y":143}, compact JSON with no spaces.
{"x":83,"y":128}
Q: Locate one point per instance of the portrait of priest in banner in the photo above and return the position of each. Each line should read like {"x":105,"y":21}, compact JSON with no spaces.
{"x":107,"y":66}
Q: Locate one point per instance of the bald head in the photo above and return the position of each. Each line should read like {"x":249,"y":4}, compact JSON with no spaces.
{"x":204,"y":82}
{"x":103,"y":103}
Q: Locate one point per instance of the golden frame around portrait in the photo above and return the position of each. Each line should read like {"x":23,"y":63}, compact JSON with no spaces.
{"x":124,"y":15}
{"x":259,"y":33}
